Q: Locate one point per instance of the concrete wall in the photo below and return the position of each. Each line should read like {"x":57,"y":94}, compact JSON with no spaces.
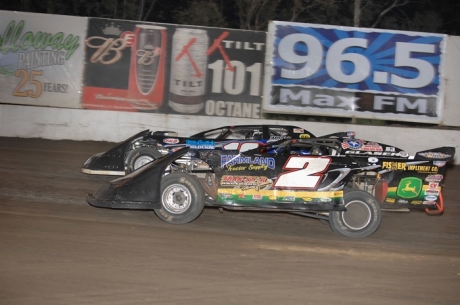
{"x":113,"y":126}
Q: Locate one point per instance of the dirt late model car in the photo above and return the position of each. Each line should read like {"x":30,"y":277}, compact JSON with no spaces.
{"x":147,"y":146}
{"x":332,"y":188}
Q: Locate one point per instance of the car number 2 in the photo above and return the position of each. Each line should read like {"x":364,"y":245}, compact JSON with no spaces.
{"x":302,"y":172}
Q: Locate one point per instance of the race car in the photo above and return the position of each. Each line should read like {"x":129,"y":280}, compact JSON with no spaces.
{"x":147,"y":146}
{"x":329,"y":187}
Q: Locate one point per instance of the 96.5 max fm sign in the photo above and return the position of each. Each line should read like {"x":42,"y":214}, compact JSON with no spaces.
{"x":367,"y":73}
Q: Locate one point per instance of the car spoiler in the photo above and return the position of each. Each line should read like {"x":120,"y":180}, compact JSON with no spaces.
{"x":113,"y":159}
{"x":139,"y":190}
{"x":444,"y":153}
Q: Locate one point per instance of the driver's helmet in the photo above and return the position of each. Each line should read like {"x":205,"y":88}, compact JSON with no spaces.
{"x":250,"y":135}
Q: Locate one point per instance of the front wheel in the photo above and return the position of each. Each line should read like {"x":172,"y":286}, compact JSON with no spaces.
{"x":362,"y":217}
{"x":182,"y":198}
{"x":140,"y":157}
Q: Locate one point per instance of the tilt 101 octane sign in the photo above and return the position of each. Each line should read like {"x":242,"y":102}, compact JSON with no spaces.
{"x":167,"y":68}
{"x":354,"y":72}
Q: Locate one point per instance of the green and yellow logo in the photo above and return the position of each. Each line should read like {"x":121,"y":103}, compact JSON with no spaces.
{"x":409,"y":187}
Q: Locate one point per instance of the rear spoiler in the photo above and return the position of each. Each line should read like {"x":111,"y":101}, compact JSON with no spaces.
{"x":445,"y":153}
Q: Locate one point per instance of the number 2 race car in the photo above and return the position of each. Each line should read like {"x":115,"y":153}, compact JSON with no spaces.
{"x":346,"y":190}
{"x":147,"y":146}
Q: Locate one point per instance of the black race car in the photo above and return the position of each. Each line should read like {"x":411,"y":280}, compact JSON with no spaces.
{"x":345,"y":190}
{"x":147,"y":146}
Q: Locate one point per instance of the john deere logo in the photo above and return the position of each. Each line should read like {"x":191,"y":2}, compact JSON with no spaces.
{"x":409,"y":187}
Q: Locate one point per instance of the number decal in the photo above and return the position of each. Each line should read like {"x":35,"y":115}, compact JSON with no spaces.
{"x":242,"y":147}
{"x":25,"y":77}
{"x":303,"y":172}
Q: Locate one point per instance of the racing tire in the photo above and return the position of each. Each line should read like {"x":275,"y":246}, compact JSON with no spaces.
{"x":362,"y":217}
{"x":140,"y":157}
{"x":182,"y":198}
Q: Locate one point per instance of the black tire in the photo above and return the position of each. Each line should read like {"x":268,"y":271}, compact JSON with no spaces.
{"x":182,"y":198}
{"x":140,"y":157}
{"x":362,"y":217}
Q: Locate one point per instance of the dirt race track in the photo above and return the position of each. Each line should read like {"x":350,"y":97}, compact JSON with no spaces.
{"x":56,"y":249}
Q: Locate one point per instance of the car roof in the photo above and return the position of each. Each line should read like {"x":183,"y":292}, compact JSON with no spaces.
{"x":252,"y":126}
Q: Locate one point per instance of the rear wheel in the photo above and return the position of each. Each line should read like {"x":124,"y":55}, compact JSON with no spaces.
{"x":140,"y":157}
{"x":182,"y":198}
{"x":362,"y":217}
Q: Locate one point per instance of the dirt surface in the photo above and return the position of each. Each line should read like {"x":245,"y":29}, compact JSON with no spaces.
{"x":56,"y":249}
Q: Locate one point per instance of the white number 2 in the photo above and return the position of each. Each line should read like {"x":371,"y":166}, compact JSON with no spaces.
{"x":303,"y":172}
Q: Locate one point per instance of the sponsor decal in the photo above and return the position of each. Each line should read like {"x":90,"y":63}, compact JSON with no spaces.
{"x":416,"y":202}
{"x":351,"y":134}
{"x":298,"y":130}
{"x":402,"y":201}
{"x":272,"y":197}
{"x":289,"y":198}
{"x":432,"y":192}
{"x":394,"y":165}
{"x":439,"y":163}
{"x":390,"y":200}
{"x":245,"y":182}
{"x":307,"y":199}
{"x":375,"y":153}
{"x":410,"y":167}
{"x":431,"y":198}
{"x":225,"y":195}
{"x":389,"y":148}
{"x":409,"y":187}
{"x":277,"y":138}
{"x":200,"y":144}
{"x":257,"y":197}
{"x":434,"y":178}
{"x":241,"y":196}
{"x":372,"y":146}
{"x":253,"y":163}
{"x":435,"y":155}
{"x":171,"y":141}
{"x":404,"y":154}
{"x":429,"y":202}
{"x":352,"y":144}
{"x":325,"y":199}
{"x":304,"y":136}
{"x":433,"y":185}
{"x":372,"y":160}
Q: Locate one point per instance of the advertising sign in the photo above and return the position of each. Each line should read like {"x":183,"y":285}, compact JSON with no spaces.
{"x":41,"y":64}
{"x":354,"y":72}
{"x":178,"y":69}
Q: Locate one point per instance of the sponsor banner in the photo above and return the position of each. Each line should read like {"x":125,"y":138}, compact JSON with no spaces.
{"x":412,"y":182}
{"x":344,"y":71}
{"x":41,"y":64}
{"x":162,"y":68}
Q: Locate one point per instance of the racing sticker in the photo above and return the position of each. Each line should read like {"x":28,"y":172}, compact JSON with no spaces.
{"x":361,"y":145}
{"x":409,"y":187}
{"x":245,"y":182}
{"x":200,"y":144}
{"x":241,"y":163}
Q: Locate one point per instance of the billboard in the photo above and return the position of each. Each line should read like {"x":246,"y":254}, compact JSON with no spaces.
{"x":354,"y":72}
{"x":173,"y":69}
{"x":41,"y":64}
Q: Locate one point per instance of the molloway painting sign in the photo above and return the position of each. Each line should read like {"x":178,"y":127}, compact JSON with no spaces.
{"x":41,"y":64}
{"x":354,"y":72}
